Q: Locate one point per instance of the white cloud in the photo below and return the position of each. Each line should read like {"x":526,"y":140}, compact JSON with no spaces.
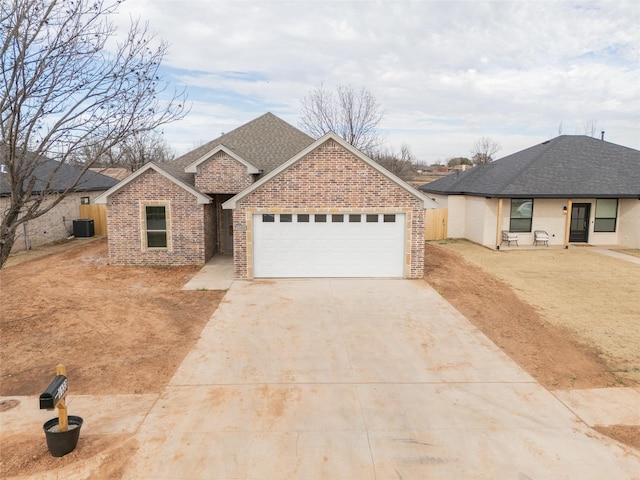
{"x":444,"y":72}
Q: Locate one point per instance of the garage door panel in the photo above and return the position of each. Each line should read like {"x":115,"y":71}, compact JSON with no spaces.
{"x":328,"y":249}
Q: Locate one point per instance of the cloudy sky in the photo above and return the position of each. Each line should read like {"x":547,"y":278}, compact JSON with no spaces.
{"x":445,"y":72}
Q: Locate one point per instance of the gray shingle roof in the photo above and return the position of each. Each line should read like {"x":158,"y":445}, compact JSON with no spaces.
{"x":265,"y":142}
{"x":61,"y":179}
{"x":566,"y":166}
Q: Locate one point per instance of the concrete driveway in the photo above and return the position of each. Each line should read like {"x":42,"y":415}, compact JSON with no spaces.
{"x":359,"y":379}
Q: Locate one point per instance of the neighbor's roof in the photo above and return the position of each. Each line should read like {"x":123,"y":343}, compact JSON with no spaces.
{"x":567,"y":166}
{"x":114,"y":172}
{"x":59,"y":177}
{"x":265,"y":143}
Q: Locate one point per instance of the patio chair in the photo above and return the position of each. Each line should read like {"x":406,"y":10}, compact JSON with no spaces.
{"x":509,"y":237}
{"x":540,"y":236}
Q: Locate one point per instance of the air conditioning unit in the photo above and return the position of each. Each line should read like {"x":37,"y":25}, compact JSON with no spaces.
{"x":83,"y":227}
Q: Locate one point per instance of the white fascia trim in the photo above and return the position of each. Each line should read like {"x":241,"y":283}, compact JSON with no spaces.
{"x":191,"y":168}
{"x":104,"y":197}
{"x":426,"y":201}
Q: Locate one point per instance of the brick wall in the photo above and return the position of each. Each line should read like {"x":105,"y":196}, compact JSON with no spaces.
{"x":186,"y":223}
{"x":222,"y":174}
{"x":57,"y":224}
{"x":330,"y":179}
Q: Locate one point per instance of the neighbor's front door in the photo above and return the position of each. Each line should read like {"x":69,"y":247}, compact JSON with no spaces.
{"x":579,"y":222}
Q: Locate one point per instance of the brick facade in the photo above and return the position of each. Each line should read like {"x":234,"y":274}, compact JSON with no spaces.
{"x":187,"y":222}
{"x":222,"y":174}
{"x":329,"y":179}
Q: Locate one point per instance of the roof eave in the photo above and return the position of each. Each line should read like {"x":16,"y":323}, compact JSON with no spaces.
{"x":103,"y":198}
{"x":536,"y":195}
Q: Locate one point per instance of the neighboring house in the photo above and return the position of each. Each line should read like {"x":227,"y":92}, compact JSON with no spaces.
{"x":118,"y":173}
{"x":56,"y":224}
{"x":579,"y":189}
{"x":284,"y":204}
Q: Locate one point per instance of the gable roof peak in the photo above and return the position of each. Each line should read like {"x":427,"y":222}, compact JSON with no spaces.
{"x":331,"y":136}
{"x":264,"y":142}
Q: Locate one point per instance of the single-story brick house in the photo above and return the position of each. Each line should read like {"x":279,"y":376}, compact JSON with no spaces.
{"x":579,"y":189}
{"x":284,"y":204}
{"x":53,"y":178}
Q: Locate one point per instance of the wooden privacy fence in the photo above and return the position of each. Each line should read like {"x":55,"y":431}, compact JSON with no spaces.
{"x":98,"y":213}
{"x":435,"y":224}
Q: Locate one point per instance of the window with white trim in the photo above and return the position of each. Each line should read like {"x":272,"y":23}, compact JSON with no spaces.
{"x":606,"y":215}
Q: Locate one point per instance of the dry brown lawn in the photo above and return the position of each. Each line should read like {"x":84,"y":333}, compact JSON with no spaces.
{"x":629,"y":251}
{"x":593,"y":295}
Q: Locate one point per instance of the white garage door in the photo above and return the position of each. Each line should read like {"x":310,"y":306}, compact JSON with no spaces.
{"x":328,"y":245}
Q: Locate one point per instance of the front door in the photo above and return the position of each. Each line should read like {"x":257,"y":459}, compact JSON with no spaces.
{"x":227,"y":231}
{"x":579,"y":222}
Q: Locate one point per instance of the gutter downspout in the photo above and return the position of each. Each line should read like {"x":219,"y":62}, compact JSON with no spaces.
{"x":498,"y":225}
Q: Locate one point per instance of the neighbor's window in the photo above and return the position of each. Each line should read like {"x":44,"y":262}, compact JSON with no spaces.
{"x":156,"y":217}
{"x":606,"y":215}
{"x":85,"y":200}
{"x":521,"y":214}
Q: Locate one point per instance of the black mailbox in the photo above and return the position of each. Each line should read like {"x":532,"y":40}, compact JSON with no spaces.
{"x":54,"y":392}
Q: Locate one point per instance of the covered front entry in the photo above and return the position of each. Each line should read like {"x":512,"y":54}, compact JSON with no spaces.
{"x":580,"y":222}
{"x":328,"y":245}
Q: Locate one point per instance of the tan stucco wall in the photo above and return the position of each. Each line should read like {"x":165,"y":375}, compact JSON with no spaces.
{"x":629,"y":221}
{"x":474,"y":218}
{"x":456,"y":212}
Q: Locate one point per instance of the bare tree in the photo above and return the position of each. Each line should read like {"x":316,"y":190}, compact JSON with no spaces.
{"x":590,"y":128}
{"x":483,"y":150}
{"x":354,"y":115}
{"x":400,"y":164}
{"x":64,"y":91}
{"x":132,"y":153}
{"x":454,"y":162}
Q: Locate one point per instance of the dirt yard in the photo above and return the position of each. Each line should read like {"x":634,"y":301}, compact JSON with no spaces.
{"x":126,"y":329}
{"x":117,"y":329}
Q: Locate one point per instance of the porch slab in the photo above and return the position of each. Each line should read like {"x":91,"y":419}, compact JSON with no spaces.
{"x":216,"y":274}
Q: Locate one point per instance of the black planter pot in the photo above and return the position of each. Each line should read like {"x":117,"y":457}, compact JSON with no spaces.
{"x":61,"y":443}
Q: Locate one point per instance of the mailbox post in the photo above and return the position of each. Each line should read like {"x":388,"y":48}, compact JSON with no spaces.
{"x":61,"y":439}
{"x":54,"y":397}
